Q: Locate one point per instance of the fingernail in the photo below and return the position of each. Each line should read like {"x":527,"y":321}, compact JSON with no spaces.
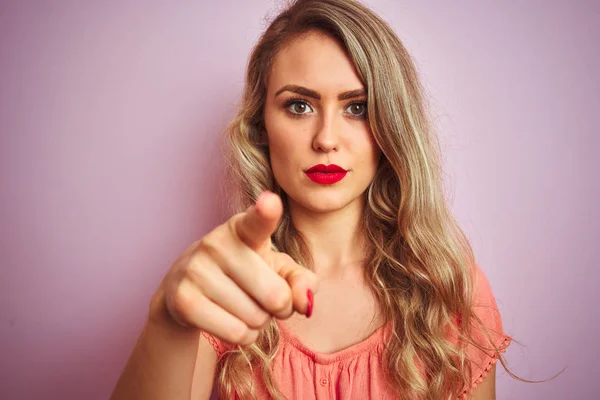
{"x":309,"y":309}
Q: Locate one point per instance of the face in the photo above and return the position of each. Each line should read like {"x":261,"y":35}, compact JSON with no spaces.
{"x":316,"y":113}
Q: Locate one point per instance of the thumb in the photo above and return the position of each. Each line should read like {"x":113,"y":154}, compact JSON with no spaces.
{"x":258,"y":223}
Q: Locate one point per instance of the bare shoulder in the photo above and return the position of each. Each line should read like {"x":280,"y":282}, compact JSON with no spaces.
{"x":204,"y":370}
{"x":486,"y":390}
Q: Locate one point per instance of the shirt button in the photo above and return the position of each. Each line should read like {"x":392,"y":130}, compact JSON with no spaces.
{"x":324,"y":381}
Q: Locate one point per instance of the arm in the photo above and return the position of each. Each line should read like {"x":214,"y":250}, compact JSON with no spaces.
{"x":162,"y":363}
{"x":486,"y":390}
{"x":204,"y":371}
{"x":248,"y":283}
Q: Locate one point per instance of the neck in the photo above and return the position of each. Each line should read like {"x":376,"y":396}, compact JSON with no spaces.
{"x":335,"y":239}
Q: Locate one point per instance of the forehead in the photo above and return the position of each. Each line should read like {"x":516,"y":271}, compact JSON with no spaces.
{"x":316,"y":61}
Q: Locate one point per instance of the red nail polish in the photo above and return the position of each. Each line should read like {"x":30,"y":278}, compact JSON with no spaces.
{"x":309,"y":309}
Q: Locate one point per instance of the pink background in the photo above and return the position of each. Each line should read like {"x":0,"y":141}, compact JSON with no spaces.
{"x":109,"y":167}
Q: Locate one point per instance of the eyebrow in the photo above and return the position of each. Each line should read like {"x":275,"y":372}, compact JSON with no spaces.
{"x":311,"y":93}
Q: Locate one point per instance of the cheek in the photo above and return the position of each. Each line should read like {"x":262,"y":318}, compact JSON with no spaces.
{"x":274,"y":132}
{"x":281,"y":147}
{"x":285,"y":138}
{"x":365,"y":146}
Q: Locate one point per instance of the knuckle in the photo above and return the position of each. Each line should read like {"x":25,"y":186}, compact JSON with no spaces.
{"x":196,"y":269}
{"x":238,"y":333}
{"x":183,"y":299}
{"x":211,"y":247}
{"x":208,"y":244}
{"x":232,"y":223}
{"x":259,"y":320}
{"x":251,"y":337}
{"x":278,"y":300}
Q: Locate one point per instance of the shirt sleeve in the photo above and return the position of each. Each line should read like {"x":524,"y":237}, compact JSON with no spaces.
{"x":219,"y":346}
{"x":485,"y":307}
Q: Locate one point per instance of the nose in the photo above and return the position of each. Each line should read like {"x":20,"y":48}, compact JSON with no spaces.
{"x":327,"y":135}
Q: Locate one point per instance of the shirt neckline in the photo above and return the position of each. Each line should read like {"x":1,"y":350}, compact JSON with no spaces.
{"x":368,"y":344}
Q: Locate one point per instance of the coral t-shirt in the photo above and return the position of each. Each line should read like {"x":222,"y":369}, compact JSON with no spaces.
{"x":356,"y":372}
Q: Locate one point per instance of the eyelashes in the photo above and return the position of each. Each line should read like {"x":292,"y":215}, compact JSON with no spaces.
{"x":299,"y":101}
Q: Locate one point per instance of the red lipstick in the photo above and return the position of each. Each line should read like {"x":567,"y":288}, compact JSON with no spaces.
{"x":326,"y":174}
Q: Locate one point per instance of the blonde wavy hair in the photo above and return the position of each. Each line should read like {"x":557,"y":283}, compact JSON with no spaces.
{"x":421,"y":268}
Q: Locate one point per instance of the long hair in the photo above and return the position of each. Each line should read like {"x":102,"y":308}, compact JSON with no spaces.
{"x":421,"y":264}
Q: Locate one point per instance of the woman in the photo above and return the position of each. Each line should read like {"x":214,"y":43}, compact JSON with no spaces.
{"x":339,"y":178}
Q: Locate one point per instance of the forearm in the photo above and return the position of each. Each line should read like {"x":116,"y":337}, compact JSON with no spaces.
{"x":161,"y":365}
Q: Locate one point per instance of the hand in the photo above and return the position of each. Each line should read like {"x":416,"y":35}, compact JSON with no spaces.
{"x":231,"y":283}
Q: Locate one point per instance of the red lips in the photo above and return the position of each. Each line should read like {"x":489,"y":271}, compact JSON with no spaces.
{"x":326,"y":174}
{"x":326,"y":168}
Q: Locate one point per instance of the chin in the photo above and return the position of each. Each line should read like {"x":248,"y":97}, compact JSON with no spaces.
{"x":323,"y":201}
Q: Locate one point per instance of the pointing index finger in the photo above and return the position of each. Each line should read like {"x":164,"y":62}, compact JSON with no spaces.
{"x":258,"y":223}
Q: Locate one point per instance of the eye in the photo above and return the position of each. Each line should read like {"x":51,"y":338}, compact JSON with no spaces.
{"x":357,"y":109}
{"x":297,"y":107}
